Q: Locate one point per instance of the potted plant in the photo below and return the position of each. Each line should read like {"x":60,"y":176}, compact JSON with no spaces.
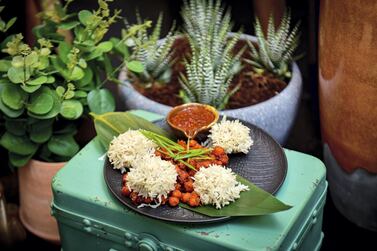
{"x":258,"y":93}
{"x":45,"y":93}
{"x":156,"y":55}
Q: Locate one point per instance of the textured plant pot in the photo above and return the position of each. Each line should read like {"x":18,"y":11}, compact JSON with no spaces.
{"x":348,"y":106}
{"x":35,"y":198}
{"x":275,"y":115}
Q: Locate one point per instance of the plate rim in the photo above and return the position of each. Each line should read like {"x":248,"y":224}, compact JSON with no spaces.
{"x":107,"y":164}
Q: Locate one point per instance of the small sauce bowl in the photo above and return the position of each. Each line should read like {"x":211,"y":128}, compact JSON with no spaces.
{"x":192,"y":118}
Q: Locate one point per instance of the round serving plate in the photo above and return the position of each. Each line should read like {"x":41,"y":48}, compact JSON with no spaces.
{"x":265,"y":165}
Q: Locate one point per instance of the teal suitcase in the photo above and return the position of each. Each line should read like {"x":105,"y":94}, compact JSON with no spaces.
{"x":90,"y":218}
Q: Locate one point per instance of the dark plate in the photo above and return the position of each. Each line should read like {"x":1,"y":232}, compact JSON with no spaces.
{"x":265,"y":165}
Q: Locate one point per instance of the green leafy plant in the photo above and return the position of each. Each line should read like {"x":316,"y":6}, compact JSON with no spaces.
{"x":205,"y":20}
{"x":31,"y":106}
{"x":213,"y":64}
{"x":81,"y":62}
{"x":5,"y":25}
{"x":253,"y":202}
{"x":46,"y":90}
{"x":274,"y":53}
{"x":207,"y":82}
{"x":155,"y":55}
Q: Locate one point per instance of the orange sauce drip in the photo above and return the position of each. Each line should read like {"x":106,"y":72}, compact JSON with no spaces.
{"x":190,"y":119}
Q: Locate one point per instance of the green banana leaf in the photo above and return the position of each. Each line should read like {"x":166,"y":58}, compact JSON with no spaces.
{"x":253,"y":202}
{"x":111,"y":124}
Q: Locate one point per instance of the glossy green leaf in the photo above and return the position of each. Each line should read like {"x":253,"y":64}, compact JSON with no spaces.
{"x":60,"y":67}
{"x":71,"y":109}
{"x":135,"y":66}
{"x":60,"y":90}
{"x":69,"y":94}
{"x":55,"y":108}
{"x":63,"y":145}
{"x":10,"y":23}
{"x":63,"y":49}
{"x":31,"y":59}
{"x":68,"y":25}
{"x":79,"y":32}
{"x":80,"y":94}
{"x":85,"y":16}
{"x":18,"y":160}
{"x":41,"y":132}
{"x":41,"y":103}
{"x":10,"y":112}
{"x":88,"y":77}
{"x":101,"y":101}
{"x":105,"y":46}
{"x":16,"y":127}
{"x":50,"y":80}
{"x":43,"y":63}
{"x":94,"y":54}
{"x":18,"y":144}
{"x":38,"y":81}
{"x":69,"y":129}
{"x":44,"y":52}
{"x":18,"y":61}
{"x":253,"y":202}
{"x":110,"y":125}
{"x":120,"y":47}
{"x":13,"y":96}
{"x":5,"y":65}
{"x":76,"y":74}
{"x":82,"y":63}
{"x":18,"y":75}
{"x":30,"y":88}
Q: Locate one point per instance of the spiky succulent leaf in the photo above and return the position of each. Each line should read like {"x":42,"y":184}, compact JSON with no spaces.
{"x":275,"y":50}
{"x":212,"y":64}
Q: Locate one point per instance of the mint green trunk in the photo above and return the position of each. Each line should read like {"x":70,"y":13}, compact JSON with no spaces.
{"x":90,"y":218}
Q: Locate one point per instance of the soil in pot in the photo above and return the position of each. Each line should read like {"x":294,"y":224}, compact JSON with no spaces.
{"x":253,"y":88}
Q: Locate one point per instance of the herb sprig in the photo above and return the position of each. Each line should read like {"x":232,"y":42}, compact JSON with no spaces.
{"x":175,"y":150}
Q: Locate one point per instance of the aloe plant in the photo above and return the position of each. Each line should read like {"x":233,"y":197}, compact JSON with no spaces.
{"x":155,"y":55}
{"x":213,"y":64}
{"x":275,"y":49}
{"x":204,"y":19}
{"x":207,"y":81}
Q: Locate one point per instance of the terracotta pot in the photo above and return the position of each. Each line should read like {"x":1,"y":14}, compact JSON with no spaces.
{"x":36,"y":196}
{"x":348,"y":106}
{"x":275,"y":115}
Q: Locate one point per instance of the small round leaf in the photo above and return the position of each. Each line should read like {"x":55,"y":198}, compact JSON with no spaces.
{"x":38,"y":81}
{"x":71,"y":109}
{"x":18,"y":75}
{"x":63,"y":145}
{"x":18,"y":144}
{"x":101,"y":101}
{"x":41,"y":103}
{"x":135,"y":66}
{"x":77,"y":73}
{"x":13,"y":96}
{"x":85,"y":16}
{"x":30,"y":88}
{"x":10,"y":112}
{"x":105,"y":46}
{"x":55,"y":108}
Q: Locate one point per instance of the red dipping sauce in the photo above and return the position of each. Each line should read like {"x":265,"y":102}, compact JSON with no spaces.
{"x":192,"y":118}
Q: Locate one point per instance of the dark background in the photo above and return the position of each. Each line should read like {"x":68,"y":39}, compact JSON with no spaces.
{"x":340,"y":234}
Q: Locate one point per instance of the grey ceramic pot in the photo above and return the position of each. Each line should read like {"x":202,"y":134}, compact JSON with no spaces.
{"x":275,"y":115}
